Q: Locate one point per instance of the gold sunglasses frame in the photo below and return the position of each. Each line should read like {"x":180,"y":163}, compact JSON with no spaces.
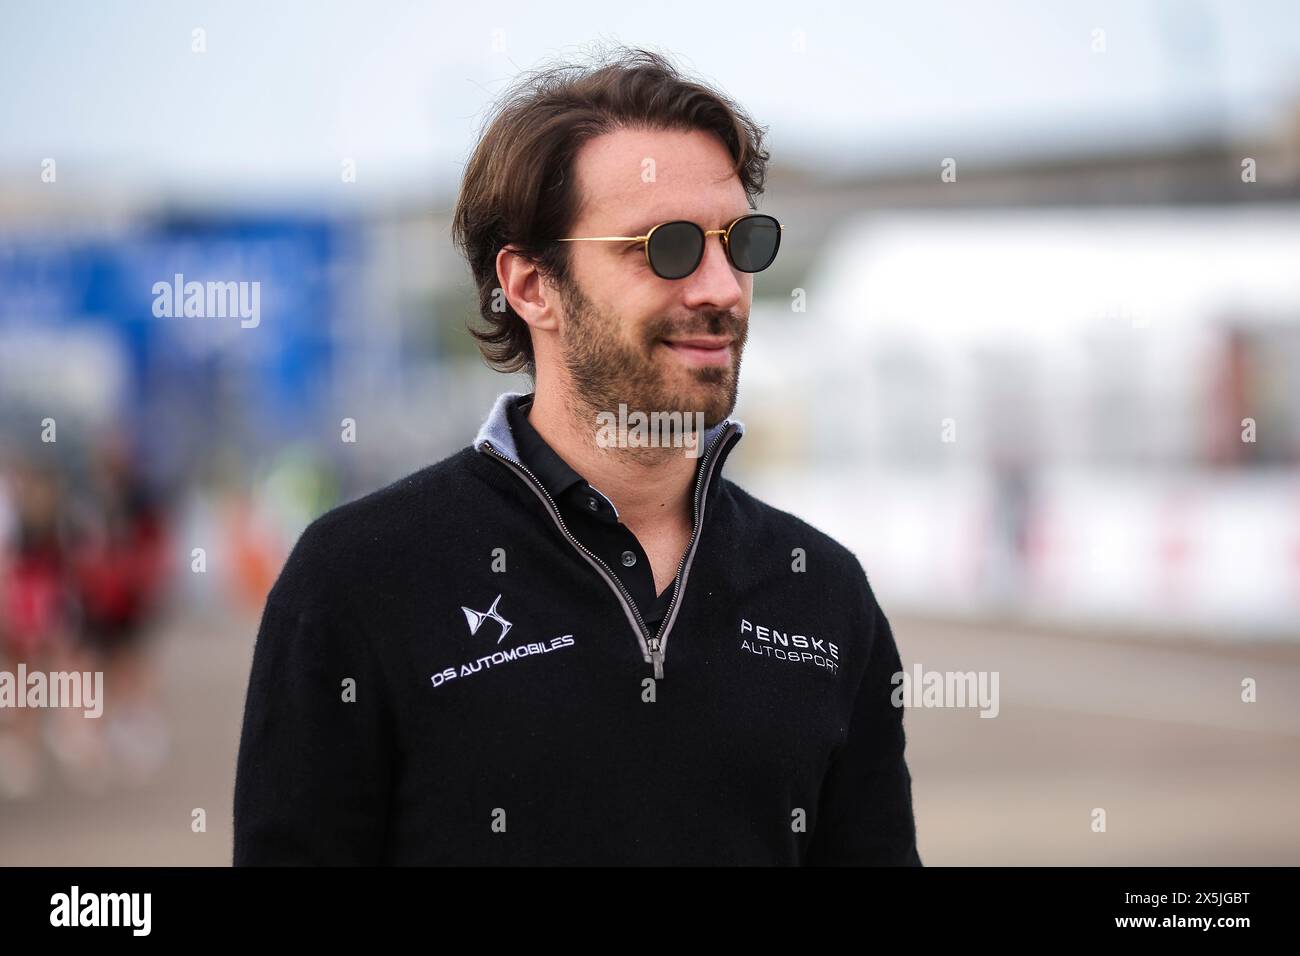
{"x":724,"y":233}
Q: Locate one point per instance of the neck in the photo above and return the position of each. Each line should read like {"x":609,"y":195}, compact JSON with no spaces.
{"x":648,"y":486}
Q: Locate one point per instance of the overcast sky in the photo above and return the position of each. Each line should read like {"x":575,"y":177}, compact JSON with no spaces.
{"x":286,"y":90}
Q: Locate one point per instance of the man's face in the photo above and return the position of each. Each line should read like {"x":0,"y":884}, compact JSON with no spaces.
{"x":626,"y":335}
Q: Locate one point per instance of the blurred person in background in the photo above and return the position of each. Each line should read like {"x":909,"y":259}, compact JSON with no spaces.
{"x":118,"y":571}
{"x":37,"y":609}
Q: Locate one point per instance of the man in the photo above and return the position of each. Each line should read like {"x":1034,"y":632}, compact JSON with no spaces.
{"x":567,"y":644}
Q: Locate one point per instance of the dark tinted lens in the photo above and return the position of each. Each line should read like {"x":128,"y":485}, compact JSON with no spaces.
{"x":753,"y":243}
{"x":675,"y":249}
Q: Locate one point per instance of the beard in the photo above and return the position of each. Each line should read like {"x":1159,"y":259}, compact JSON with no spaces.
{"x":606,"y":369}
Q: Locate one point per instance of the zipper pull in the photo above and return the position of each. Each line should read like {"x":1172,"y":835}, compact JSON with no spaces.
{"x":656,"y":658}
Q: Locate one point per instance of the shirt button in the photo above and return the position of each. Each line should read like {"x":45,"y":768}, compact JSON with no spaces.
{"x":629,"y":559}
{"x":593,"y":504}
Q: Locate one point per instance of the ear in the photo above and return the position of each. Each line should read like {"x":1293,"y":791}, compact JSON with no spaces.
{"x":528,"y":293}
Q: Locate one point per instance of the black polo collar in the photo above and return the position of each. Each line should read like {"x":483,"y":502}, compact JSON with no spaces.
{"x":565,"y":485}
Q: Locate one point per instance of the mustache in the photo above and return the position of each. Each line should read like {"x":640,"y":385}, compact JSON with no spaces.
{"x":710,"y":322}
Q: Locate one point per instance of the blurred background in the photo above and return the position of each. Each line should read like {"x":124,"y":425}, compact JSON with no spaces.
{"x":1030,"y":349}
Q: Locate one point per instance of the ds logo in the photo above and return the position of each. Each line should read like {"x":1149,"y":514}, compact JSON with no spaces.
{"x":475,"y":619}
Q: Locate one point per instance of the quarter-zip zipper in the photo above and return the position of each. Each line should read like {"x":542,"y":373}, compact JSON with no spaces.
{"x":659,"y":643}
{"x":653,"y":648}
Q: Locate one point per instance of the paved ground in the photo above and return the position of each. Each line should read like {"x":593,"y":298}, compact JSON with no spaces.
{"x":1156,"y":734}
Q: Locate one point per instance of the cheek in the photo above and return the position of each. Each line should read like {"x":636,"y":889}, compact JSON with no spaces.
{"x":641,"y":314}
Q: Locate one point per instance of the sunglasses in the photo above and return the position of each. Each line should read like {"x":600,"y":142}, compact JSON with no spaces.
{"x":675,"y":249}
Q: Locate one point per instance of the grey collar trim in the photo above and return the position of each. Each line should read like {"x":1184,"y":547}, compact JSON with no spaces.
{"x":496,"y":428}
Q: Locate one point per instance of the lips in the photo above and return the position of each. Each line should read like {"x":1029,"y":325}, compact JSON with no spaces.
{"x":702,"y":349}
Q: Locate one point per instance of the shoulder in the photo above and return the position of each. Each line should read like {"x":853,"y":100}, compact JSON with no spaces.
{"x":758,"y":520}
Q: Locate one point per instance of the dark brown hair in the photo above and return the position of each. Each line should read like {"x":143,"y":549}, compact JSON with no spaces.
{"x":519,"y":189}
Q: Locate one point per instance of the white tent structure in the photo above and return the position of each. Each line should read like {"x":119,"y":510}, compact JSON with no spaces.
{"x":965,"y":276}
{"x":1081,"y":346}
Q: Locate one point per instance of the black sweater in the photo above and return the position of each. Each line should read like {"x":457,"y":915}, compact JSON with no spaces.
{"x":442,"y":676}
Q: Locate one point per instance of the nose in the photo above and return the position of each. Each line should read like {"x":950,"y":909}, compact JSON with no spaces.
{"x":715,"y":284}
